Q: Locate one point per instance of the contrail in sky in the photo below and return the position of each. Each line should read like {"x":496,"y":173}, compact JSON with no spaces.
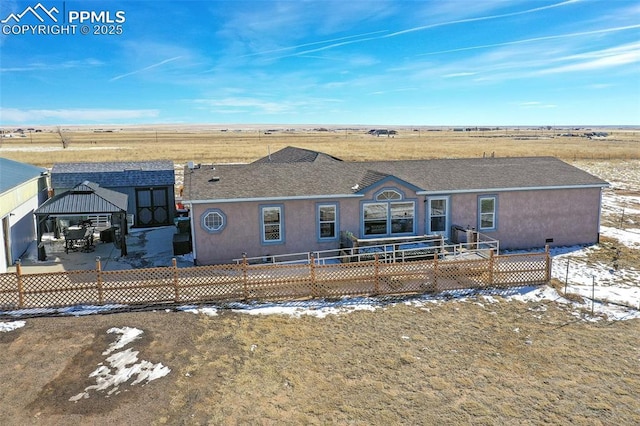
{"x":318,"y":42}
{"x":529,"y":40}
{"x":145,"y":68}
{"x":481,"y":18}
{"x":398,"y":33}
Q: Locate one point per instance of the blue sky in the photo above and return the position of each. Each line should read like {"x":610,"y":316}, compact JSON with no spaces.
{"x":439,"y":63}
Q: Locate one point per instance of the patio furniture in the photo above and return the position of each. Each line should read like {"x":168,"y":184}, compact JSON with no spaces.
{"x":107,"y":235}
{"x":78,"y":238}
{"x":181,"y":244}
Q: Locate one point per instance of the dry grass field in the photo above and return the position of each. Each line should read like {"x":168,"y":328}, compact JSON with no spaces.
{"x":209,"y":145}
{"x":452,"y":362}
{"x":481,"y":361}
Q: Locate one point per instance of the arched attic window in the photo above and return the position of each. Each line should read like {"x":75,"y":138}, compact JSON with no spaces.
{"x":388,"y":195}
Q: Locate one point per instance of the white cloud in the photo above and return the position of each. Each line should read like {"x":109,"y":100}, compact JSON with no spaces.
{"x":45,"y":66}
{"x":534,"y":39}
{"x":253,"y":105}
{"x":386,"y":92}
{"x":459,"y":74}
{"x":605,"y":58}
{"x":518,"y":62}
{"x":536,"y":104}
{"x":246,"y":104}
{"x":71,"y":116}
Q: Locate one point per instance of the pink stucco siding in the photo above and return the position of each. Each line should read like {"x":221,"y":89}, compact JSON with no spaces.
{"x":534,"y":218}
{"x":242,"y":233}
{"x":525,"y":219}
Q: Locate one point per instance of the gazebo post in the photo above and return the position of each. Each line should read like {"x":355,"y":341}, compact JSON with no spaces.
{"x":42,"y":253}
{"x":123,"y":234}
{"x":56,"y":228}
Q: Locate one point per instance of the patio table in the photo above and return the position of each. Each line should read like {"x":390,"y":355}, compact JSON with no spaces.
{"x":78,"y":238}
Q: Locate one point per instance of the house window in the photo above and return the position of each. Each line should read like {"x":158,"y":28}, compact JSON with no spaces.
{"x":487,"y":213}
{"x":401,"y":217}
{"x":327,"y":221}
{"x":213,"y":220}
{"x":388,"y":194}
{"x":388,"y":217}
{"x":375,"y":218}
{"x":271,"y":220}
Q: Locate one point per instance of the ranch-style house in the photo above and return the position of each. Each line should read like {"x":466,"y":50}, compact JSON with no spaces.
{"x":297,"y":200}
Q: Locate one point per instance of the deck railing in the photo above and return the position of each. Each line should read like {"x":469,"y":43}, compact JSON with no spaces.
{"x":396,"y":249}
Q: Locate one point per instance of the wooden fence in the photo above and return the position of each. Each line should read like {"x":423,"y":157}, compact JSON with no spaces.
{"x":245,"y":282}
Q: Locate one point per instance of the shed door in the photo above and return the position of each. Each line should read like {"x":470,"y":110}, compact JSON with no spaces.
{"x":152,"y":207}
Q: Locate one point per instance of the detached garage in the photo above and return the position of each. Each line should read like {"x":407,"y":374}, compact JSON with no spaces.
{"x":23,"y":188}
{"x":149,"y":186}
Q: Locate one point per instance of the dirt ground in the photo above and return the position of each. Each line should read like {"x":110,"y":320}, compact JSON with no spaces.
{"x":474,"y":361}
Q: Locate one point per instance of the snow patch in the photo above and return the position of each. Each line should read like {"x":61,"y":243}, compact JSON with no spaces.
{"x":10,"y":326}
{"x":122,"y":366}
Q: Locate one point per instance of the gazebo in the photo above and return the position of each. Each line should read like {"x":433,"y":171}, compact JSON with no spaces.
{"x":85,"y":199}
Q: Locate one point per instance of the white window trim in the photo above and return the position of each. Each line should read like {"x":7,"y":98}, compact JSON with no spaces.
{"x":388,"y":218}
{"x":335,"y":235}
{"x":216,"y":212}
{"x":263,"y":234}
{"x":447,"y":216}
{"x":494,"y":214}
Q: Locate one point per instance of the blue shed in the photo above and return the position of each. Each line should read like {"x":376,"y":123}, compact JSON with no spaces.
{"x":149,"y":185}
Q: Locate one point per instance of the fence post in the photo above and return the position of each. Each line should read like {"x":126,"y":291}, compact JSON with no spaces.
{"x":491,"y":267}
{"x":99,"y":281}
{"x":176,"y":286}
{"x":376,"y":274}
{"x":593,"y":292}
{"x":245,"y":291}
{"x":312,"y":276}
{"x":566,"y":277}
{"x":547,"y":259}
{"x":435,"y":273}
{"x":20,"y":289}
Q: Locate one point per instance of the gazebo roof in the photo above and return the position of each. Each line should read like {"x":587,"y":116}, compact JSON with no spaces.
{"x":85,"y":198}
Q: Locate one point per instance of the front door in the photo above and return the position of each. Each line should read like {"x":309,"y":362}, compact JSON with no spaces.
{"x":152,"y":207}
{"x":438,"y":216}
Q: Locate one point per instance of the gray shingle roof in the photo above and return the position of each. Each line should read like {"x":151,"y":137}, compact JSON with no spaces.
{"x":114,"y":166}
{"x":85,"y":198}
{"x":303,"y":179}
{"x":114,"y":174}
{"x":292,"y":154}
{"x":14,"y":173}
